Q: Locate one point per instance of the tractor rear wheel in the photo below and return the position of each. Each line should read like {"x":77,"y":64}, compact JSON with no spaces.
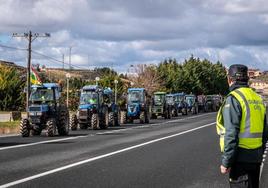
{"x":142,"y":117}
{"x":63,"y":127}
{"x":111,"y":119}
{"x":25,"y":128}
{"x":51,"y":127}
{"x":104,"y":121}
{"x":147,"y":118}
{"x":117,"y":118}
{"x":95,"y":121}
{"x":123,"y":117}
{"x":74,"y":122}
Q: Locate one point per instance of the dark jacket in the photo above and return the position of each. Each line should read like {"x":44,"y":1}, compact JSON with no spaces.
{"x":232,"y":114}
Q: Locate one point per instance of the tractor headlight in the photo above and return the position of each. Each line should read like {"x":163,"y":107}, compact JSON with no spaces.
{"x":32,"y":113}
{"x":38,"y":113}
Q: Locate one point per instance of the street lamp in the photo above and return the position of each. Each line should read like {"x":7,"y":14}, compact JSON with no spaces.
{"x":97,"y":79}
{"x":68,"y":76}
{"x":131,"y":84}
{"x":115,"y":91}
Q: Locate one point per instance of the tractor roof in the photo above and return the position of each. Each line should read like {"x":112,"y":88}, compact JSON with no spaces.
{"x":190,"y":95}
{"x":91,"y":87}
{"x":108,"y":91}
{"x":136,"y":89}
{"x":179,"y":94}
{"x":160,"y":93}
{"x":170,"y":95}
{"x":46,"y":85}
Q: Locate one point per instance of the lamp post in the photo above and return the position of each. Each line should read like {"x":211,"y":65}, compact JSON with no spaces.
{"x":68,"y":76}
{"x":97,"y":79}
{"x":115,"y":91}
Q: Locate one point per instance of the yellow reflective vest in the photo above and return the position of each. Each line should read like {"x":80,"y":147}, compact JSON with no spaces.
{"x":252,"y":119}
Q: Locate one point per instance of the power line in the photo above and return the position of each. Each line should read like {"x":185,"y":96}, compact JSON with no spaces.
{"x":13,"y":48}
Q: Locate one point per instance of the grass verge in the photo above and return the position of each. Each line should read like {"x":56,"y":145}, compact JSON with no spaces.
{"x":9,"y":124}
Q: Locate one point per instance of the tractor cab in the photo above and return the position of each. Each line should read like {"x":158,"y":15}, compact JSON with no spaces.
{"x":159,"y":98}
{"x":43,"y":101}
{"x":170,"y":99}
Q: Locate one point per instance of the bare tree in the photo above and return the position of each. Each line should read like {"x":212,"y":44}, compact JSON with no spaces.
{"x":146,"y":76}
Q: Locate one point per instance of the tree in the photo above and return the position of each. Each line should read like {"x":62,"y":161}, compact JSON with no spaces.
{"x":12,"y":84}
{"x":147,"y":77}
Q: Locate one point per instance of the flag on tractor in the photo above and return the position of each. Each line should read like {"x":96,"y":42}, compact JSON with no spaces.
{"x":34,"y":77}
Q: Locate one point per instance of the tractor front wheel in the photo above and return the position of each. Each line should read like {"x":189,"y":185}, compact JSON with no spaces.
{"x":74,"y":122}
{"x":51,"y":127}
{"x":25,"y":128}
{"x":95,"y":121}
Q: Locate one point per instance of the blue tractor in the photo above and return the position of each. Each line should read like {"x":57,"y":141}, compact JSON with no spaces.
{"x":92,"y":110}
{"x":181,"y":103}
{"x":192,"y":103}
{"x":45,"y":112}
{"x":137,"y":107}
{"x":113,"y":109}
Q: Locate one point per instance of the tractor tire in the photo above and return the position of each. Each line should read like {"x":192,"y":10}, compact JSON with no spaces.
{"x":123,"y":117}
{"x":104,"y":121}
{"x":142,"y":117}
{"x":25,"y":128}
{"x":117,"y":119}
{"x":111,"y":119}
{"x":63,"y":126}
{"x":83,"y":126}
{"x":95,"y":121}
{"x":74,"y":122}
{"x":51,"y":127}
{"x":147,"y":118}
{"x":176,"y":113}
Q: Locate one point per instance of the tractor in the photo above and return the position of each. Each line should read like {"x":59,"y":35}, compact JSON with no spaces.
{"x":192,"y":103}
{"x":45,"y":112}
{"x":181,"y":104}
{"x":170,"y":100}
{"x":92,"y":110}
{"x":160,"y":107}
{"x":114,"y":111}
{"x":201,"y":100}
{"x":137,"y":106}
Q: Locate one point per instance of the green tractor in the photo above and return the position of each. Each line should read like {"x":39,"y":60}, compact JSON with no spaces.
{"x":45,"y":112}
{"x":160,"y":107}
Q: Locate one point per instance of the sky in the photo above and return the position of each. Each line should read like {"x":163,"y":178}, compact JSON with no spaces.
{"x":122,"y":33}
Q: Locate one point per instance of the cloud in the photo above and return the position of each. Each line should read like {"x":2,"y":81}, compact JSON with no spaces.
{"x":119,"y":33}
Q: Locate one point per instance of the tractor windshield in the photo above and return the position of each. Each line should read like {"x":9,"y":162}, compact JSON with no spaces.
{"x":89,"y":98}
{"x":135,"y":97}
{"x":190,"y":100}
{"x":159,"y":99}
{"x":179,"y":98}
{"x":42,"y":94}
{"x":170,"y":99}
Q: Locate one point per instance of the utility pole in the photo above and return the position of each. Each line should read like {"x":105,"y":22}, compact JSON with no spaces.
{"x":30,"y":37}
{"x":62,"y":61}
{"x":70,"y":57}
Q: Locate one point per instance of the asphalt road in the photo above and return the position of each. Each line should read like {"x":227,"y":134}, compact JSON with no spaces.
{"x":181,"y":152}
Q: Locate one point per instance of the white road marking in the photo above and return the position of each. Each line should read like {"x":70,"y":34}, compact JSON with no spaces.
{"x":151,"y":125}
{"x":8,"y":135}
{"x":99,"y":157}
{"x":42,"y":142}
{"x":106,"y":132}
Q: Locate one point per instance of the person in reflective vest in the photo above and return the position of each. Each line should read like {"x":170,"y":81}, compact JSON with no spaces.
{"x":241,"y":125}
